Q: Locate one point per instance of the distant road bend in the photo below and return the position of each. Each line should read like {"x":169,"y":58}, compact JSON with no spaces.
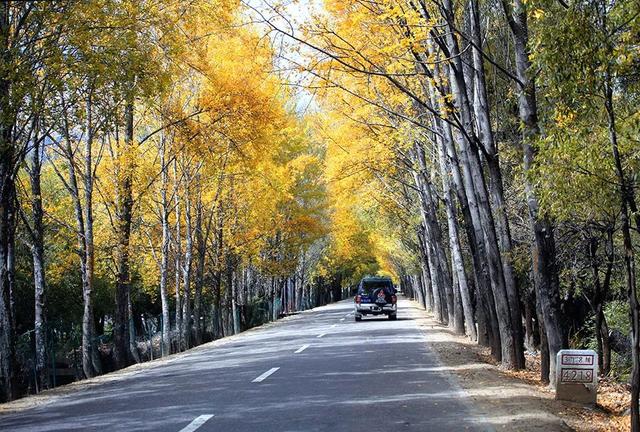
{"x":318,"y":371}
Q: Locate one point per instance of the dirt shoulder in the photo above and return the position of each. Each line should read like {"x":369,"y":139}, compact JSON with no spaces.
{"x":516,"y":401}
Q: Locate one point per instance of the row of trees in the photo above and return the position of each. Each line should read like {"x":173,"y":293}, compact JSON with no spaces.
{"x":483,"y":152}
{"x":475,"y":135}
{"x":150,"y":163}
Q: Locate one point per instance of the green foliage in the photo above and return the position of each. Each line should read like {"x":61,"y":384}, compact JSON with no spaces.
{"x":617,"y":315}
{"x":575,"y":51}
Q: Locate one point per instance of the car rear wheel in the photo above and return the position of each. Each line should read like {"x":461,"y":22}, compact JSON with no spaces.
{"x":393,"y":317}
{"x":358,"y":318}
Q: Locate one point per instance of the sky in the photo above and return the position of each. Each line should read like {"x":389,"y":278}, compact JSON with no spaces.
{"x":290,"y":15}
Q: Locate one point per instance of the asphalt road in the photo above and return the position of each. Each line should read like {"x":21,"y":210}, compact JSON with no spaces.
{"x":319,"y":371}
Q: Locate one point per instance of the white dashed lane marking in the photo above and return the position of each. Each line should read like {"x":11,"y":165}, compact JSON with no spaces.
{"x":302,"y":348}
{"x":199,"y":421}
{"x":265,"y":375}
{"x":320,"y":335}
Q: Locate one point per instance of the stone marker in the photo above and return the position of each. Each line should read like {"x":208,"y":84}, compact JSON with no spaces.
{"x":577,"y":376}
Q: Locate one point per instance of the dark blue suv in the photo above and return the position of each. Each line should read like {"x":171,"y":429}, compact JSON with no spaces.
{"x":376,"y":296}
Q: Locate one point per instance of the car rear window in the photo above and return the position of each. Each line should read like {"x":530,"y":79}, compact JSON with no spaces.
{"x":368,"y":287}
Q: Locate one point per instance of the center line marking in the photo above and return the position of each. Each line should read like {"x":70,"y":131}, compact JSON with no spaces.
{"x":199,"y":421}
{"x":265,"y":375}
{"x":341,"y":319}
{"x":302,"y":348}
{"x":334,"y":325}
{"x":320,"y":335}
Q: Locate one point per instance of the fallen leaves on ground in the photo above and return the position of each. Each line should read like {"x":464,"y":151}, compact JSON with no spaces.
{"x":610,"y":413}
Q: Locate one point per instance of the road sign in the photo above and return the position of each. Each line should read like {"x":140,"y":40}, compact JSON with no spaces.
{"x":577,"y":376}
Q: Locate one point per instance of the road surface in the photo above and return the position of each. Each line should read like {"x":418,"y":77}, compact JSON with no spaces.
{"x":317,"y":371}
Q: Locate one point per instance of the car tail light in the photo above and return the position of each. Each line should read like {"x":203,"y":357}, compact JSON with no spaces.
{"x":394,"y":299}
{"x":358,"y":299}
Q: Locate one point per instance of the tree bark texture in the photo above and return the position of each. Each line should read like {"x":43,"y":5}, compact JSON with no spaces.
{"x":39,"y":279}
{"x":164,"y":253}
{"x":124,"y":214}
{"x":544,"y":255}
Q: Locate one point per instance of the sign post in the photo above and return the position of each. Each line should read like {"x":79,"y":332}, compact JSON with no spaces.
{"x":577,"y":376}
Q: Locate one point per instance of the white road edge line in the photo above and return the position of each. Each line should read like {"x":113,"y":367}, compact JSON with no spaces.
{"x":320,"y":335}
{"x":463,"y":395}
{"x":199,"y":421}
{"x":265,"y":375}
{"x":302,"y":348}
